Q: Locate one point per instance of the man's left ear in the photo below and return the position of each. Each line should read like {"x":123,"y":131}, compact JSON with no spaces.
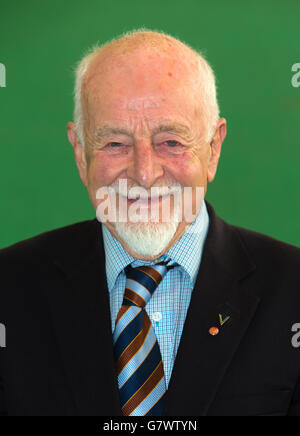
{"x":215,"y":149}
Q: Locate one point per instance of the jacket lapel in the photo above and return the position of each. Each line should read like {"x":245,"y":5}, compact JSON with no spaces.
{"x":220,"y":289}
{"x":79,"y":303}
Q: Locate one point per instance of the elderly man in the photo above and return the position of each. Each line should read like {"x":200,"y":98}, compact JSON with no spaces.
{"x":139,"y":313}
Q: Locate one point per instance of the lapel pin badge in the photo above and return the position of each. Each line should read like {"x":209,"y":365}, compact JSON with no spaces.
{"x":214,"y":331}
{"x":223,"y":319}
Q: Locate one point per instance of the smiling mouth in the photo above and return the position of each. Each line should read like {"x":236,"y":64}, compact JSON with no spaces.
{"x":145,"y":201}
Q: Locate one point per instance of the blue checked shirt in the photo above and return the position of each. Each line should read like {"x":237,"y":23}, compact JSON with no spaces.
{"x":169,"y":304}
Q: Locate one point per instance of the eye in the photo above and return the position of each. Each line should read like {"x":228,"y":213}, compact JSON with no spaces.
{"x":172,"y":143}
{"x":114,"y":144}
{"x":170,"y":147}
{"x":116,"y":147}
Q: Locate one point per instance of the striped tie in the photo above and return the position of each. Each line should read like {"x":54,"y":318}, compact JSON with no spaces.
{"x":139,"y":365}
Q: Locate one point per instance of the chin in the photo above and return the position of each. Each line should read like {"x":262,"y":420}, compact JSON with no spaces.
{"x":146,"y":239}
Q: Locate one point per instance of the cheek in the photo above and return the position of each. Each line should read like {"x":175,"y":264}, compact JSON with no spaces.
{"x":102,"y":170}
{"x":187,"y":169}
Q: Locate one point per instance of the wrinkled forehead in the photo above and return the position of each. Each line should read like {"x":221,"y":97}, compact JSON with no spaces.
{"x":138,"y":73}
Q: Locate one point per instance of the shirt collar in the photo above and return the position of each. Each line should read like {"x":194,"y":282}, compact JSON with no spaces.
{"x":187,"y":251}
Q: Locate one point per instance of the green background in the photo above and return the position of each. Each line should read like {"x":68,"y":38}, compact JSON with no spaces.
{"x":252,"y":47}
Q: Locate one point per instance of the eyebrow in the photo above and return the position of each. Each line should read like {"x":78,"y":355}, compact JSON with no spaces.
{"x":176,"y":128}
{"x":181,"y":129}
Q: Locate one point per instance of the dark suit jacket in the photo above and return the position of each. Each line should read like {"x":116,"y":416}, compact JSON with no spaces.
{"x":58,"y":358}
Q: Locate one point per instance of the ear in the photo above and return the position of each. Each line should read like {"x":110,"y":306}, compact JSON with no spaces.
{"x":79,"y":152}
{"x":215,"y":149}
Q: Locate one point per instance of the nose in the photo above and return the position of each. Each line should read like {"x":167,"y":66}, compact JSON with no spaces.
{"x":145,"y":167}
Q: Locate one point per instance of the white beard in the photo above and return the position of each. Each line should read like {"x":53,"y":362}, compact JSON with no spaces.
{"x":147,"y":239}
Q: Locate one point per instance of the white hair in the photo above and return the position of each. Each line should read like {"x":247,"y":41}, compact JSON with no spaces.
{"x":206,"y":75}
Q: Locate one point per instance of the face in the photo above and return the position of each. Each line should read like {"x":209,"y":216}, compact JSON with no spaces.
{"x":145,"y":125}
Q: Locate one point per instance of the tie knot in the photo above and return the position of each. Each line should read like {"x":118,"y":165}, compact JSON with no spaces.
{"x":142,"y":281}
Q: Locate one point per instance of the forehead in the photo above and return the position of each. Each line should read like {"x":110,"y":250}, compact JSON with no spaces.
{"x":139,"y":81}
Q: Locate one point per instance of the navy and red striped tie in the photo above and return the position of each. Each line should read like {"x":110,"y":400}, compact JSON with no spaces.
{"x":139,"y":365}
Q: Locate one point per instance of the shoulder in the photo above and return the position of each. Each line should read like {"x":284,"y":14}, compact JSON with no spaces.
{"x":260,"y":247}
{"x":267,"y":248}
{"x":28,"y":267}
{"x":276,"y":262}
{"x":46,"y":245}
{"x":238,"y":247}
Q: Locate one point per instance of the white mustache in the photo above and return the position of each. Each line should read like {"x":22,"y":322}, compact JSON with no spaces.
{"x":144,"y":194}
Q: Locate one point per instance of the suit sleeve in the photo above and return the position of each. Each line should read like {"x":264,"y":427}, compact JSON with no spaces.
{"x":295,"y":405}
